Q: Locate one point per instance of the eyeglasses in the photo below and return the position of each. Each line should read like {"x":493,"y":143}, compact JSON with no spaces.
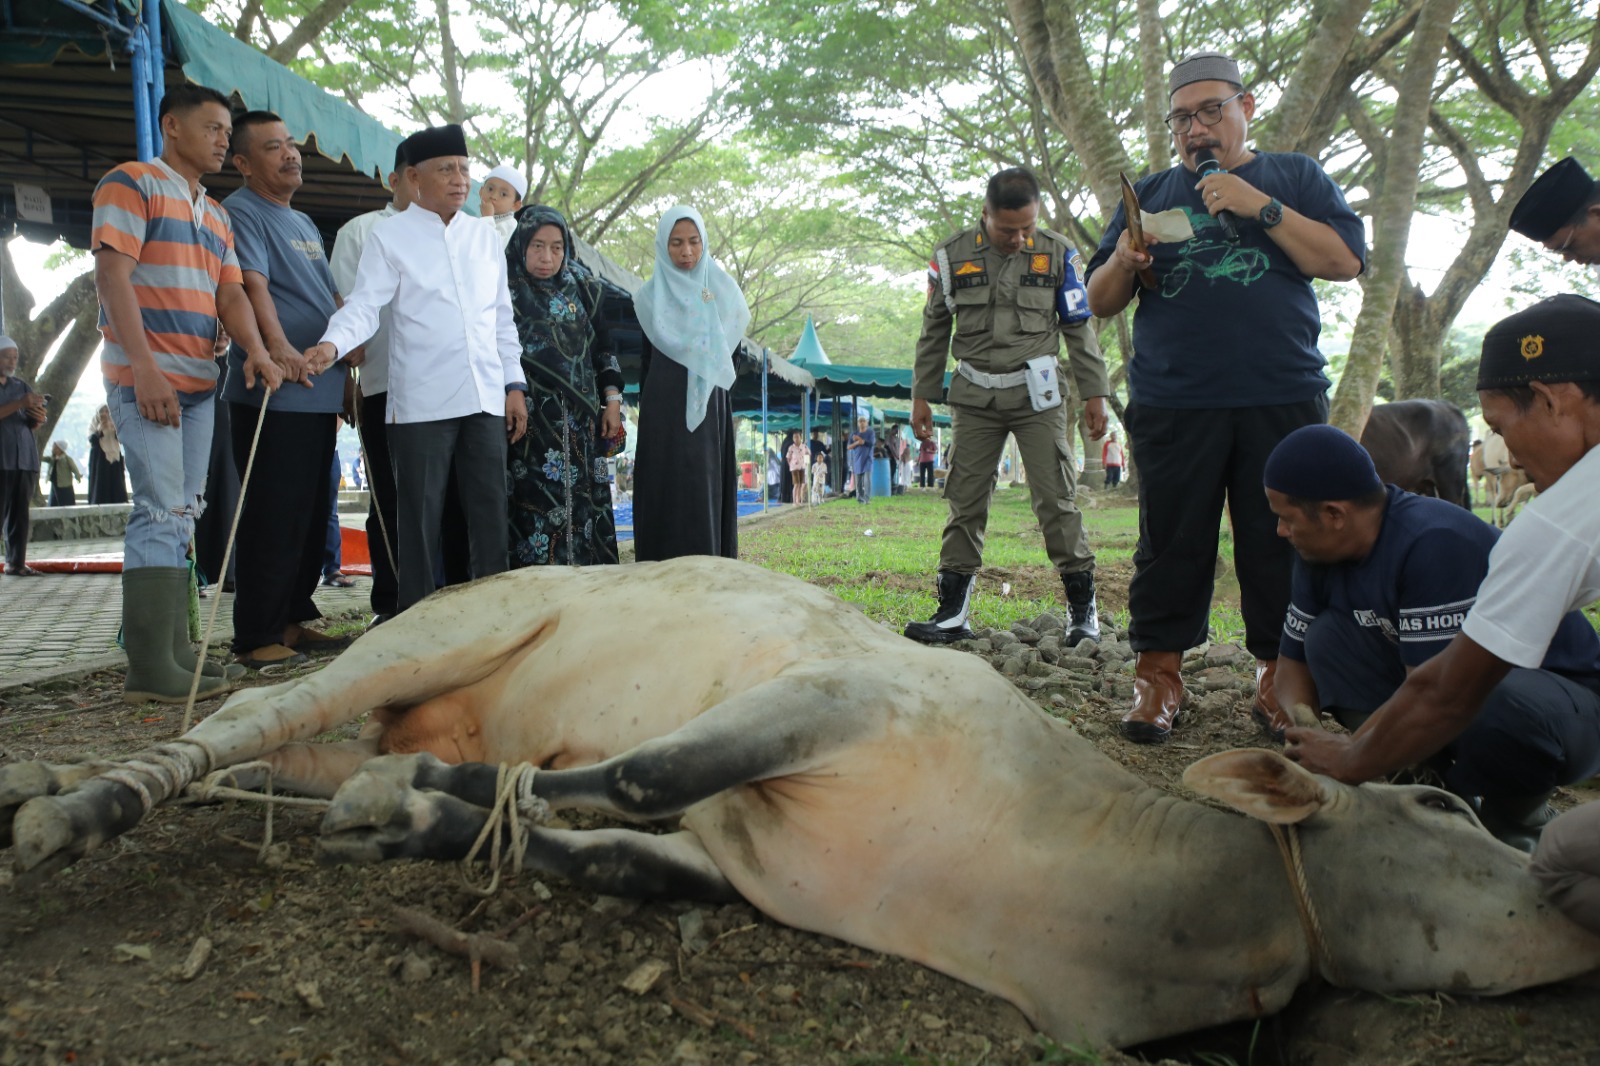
{"x":1572,"y":231}
{"x":1180,"y":121}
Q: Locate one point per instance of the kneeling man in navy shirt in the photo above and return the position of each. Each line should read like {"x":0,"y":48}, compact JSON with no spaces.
{"x":1383,"y":581}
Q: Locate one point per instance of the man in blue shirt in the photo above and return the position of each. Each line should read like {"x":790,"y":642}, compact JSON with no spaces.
{"x":283,"y":531}
{"x":1383,"y":581}
{"x":1225,"y":364}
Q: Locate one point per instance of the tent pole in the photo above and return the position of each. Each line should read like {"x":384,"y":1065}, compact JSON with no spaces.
{"x":158,"y":70}
{"x":143,"y":120}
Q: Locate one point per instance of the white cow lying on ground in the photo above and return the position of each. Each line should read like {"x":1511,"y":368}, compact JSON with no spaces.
{"x":843,"y":780}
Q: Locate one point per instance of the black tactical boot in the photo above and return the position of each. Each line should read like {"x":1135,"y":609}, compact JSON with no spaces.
{"x":1083,"y":619}
{"x":1517,"y":820}
{"x":949,"y":622}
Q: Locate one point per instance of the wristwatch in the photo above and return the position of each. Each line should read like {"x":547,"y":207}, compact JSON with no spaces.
{"x":1271,"y":214}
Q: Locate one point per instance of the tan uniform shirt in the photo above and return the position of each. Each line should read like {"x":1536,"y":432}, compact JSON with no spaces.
{"x":996,"y":312}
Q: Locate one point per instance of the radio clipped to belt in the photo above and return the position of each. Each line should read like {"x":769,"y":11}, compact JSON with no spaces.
{"x":1044,"y":382}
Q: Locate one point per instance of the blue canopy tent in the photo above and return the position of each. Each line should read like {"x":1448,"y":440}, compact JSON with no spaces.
{"x":838,"y":380}
{"x":82,"y":82}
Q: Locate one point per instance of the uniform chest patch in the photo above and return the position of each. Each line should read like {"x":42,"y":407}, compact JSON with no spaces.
{"x":970,"y":281}
{"x":968,"y":268}
{"x":1039,"y":264}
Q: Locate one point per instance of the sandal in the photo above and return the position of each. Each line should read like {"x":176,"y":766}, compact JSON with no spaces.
{"x":24,"y":571}
{"x":339,"y":581}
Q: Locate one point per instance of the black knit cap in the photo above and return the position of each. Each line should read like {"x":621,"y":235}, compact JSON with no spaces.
{"x":1552,"y":200}
{"x":1555,"y":340}
{"x":1320,"y":463}
{"x":434,"y":142}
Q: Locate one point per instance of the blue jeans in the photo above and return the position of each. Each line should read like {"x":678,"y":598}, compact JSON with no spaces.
{"x":167,"y":466}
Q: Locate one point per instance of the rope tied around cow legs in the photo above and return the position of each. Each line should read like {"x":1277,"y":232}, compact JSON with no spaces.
{"x":170,"y":766}
{"x":517,"y":808}
{"x":1287,"y":838}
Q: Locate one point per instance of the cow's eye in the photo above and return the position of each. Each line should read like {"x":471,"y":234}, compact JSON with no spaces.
{"x":1440,"y":802}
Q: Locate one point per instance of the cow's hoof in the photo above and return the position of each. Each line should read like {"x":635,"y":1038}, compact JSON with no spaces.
{"x":23,"y":781}
{"x":376,"y":812}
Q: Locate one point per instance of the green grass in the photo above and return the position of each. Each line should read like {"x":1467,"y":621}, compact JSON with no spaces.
{"x":890,"y":573}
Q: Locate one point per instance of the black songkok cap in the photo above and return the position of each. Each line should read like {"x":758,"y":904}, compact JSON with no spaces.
{"x":1552,"y":200}
{"x":1320,"y":463}
{"x":434,"y":142}
{"x":1555,"y":340}
{"x":399,"y":157}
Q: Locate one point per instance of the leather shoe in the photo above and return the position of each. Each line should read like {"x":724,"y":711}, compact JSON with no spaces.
{"x":1157,"y":697}
{"x":306,"y":639}
{"x":269,"y":656}
{"x":1266,"y":711}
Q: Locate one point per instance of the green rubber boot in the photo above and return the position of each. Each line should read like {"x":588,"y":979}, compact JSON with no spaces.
{"x":154,"y":602}
{"x":183,"y":652}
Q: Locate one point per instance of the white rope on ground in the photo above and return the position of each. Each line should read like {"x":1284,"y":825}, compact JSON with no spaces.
{"x":513,"y":798}
{"x":211,"y":789}
{"x":227,"y":554}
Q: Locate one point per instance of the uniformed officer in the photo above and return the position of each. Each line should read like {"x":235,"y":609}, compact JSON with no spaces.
{"x":1001,"y":295}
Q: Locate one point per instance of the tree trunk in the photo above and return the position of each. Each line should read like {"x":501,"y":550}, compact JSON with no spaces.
{"x":60,"y":378}
{"x":1053,"y":46}
{"x":1291,"y":126}
{"x":1154,"y":100}
{"x":452,"y":73}
{"x":77,"y":309}
{"x":1391,"y":219}
{"x":307,"y":30}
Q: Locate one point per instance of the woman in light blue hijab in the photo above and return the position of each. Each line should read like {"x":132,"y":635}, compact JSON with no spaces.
{"x":693,"y":317}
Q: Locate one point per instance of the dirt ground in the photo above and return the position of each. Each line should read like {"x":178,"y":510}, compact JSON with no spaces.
{"x":180,"y":944}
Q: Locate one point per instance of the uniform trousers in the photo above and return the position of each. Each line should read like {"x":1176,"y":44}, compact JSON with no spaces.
{"x":16,"y":497}
{"x":1190,"y":461}
{"x":1052,"y":481}
{"x":284,"y":526}
{"x":424,"y":455}
{"x":1537,"y":730}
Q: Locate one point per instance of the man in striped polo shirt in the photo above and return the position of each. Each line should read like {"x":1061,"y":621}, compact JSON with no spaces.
{"x":166,"y":272}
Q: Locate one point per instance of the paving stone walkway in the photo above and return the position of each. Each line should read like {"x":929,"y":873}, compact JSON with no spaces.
{"x":62,"y":624}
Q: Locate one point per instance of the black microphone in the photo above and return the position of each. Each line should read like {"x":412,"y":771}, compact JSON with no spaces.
{"x":1206,"y":163}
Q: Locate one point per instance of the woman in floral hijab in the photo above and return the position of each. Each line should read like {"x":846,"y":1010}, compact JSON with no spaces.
{"x":560,"y":490}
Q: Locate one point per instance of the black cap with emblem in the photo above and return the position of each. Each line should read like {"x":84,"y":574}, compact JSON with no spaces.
{"x":1555,"y":340}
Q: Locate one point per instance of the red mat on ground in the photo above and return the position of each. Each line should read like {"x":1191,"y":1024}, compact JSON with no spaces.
{"x":105,"y":563}
{"x":352,"y":553}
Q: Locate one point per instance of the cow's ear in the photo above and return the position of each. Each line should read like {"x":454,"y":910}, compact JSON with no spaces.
{"x":1260,"y":783}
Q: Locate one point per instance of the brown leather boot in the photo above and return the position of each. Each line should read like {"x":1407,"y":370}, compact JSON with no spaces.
{"x":1157,"y":694}
{"x":1265,"y":711}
